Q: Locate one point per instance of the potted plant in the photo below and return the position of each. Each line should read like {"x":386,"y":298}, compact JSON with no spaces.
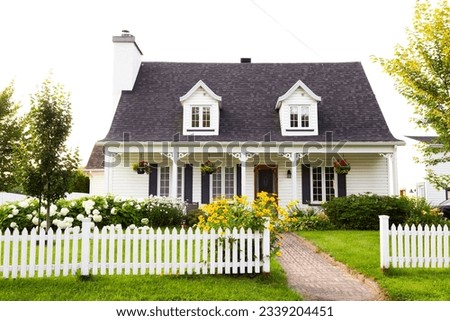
{"x":208,"y":168}
{"x":342,"y":166}
{"x":142,"y":167}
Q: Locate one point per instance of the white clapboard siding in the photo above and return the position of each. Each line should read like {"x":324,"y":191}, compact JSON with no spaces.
{"x":414,"y":247}
{"x":135,"y":251}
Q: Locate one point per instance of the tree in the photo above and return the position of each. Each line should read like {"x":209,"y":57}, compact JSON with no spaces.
{"x":421,"y":72}
{"x":10,"y":136}
{"x":50,"y":164}
{"x":79,"y":182}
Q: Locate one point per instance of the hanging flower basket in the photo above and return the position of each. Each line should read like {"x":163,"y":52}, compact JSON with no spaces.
{"x":342,"y":167}
{"x":142,"y":167}
{"x":208,"y":168}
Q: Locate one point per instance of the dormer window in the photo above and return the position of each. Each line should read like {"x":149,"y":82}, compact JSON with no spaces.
{"x":201,"y":111}
{"x":298,"y":111}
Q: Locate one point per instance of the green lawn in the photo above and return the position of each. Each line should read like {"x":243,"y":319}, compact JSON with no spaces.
{"x":360,"y":251}
{"x":272,"y":287}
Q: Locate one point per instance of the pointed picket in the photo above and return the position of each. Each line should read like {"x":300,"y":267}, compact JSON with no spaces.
{"x":220,"y":251}
{"x":439,"y":254}
{"x":6,"y":253}
{"x":15,"y":253}
{"x":159,"y":250}
{"x":182,"y":257}
{"x":95,"y":250}
{"x":103,"y":246}
{"x":49,"y":261}
{"x":212,"y":251}
{"x":258,"y":258}
{"x":400,"y":236}
{"x":413,"y":233}
{"x":189,"y":259}
{"x":41,"y":253}
{"x":235,"y":246}
{"x":250,"y":241}
{"x":166,"y":251}
{"x":420,"y":241}
{"x":197,"y":251}
{"x":144,"y":244}
{"x":242,"y":250}
{"x":394,"y":246}
{"x":111,"y":240}
{"x":204,"y":247}
{"x":127,"y":251}
{"x":23,"y":253}
{"x":433,"y":236}
{"x":228,"y":242}
{"x":407,"y":241}
{"x":151,"y":244}
{"x":135,"y":245}
{"x":75,"y":237}
{"x":66,"y":251}
{"x":174,"y":263}
{"x":120,"y":238}
{"x":57,"y":269}
{"x":446,"y":247}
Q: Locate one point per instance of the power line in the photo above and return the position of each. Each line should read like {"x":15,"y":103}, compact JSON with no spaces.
{"x":287,"y":30}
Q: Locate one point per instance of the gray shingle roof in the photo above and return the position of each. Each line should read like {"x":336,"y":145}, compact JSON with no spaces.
{"x":152,"y":110}
{"x":425,"y":139}
{"x":96,"y":159}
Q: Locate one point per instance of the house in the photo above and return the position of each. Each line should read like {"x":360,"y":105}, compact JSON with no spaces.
{"x":424,"y":188}
{"x":274,"y":127}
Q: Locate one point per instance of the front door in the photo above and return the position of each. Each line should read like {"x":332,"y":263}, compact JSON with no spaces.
{"x":266,"y":179}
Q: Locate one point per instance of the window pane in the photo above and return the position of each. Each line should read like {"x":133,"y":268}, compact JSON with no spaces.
{"x":329,"y":183}
{"x":164,"y":182}
{"x":294,"y":116}
{"x":229,"y":182}
{"x":195,"y":117}
{"x":305,"y":116}
{"x":317,"y":184}
{"x":217,"y":184}
{"x":180,"y":182}
{"x":206,"y":117}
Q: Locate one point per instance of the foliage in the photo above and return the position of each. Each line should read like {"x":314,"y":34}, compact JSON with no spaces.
{"x":192,"y":217}
{"x":104,"y":211}
{"x":421,"y":71}
{"x":360,"y":212}
{"x":142,"y":167}
{"x":308,"y":219}
{"x":11,"y":130}
{"x":341,"y":166}
{"x":49,"y":164}
{"x":79,"y":182}
{"x":239,"y":213}
{"x":208,"y":167}
{"x":428,"y":215}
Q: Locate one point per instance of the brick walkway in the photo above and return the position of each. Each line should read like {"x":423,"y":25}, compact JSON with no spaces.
{"x":317,"y":277}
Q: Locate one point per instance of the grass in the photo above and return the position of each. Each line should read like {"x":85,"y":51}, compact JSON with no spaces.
{"x":360,"y":251}
{"x":270,"y":287}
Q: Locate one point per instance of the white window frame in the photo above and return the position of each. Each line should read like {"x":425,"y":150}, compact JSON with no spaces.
{"x":222,"y":182}
{"x":180,"y":183}
{"x":294,"y":110}
{"x":201,"y":109}
{"x":324,"y":187}
{"x":159,"y":180}
{"x":300,"y":116}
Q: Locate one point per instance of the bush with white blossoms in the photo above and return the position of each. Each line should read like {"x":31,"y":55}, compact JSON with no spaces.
{"x":103,"y":211}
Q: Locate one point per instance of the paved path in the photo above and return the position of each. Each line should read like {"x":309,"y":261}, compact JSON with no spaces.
{"x":317,"y":277}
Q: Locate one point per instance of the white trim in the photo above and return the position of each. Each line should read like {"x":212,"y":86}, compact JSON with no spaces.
{"x":298,"y":84}
{"x":222,"y":182}
{"x":199,"y":84}
{"x":335,"y":185}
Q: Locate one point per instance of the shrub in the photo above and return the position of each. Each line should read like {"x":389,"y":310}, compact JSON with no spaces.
{"x":104,"y":211}
{"x":308,"y":219}
{"x":433,"y":216}
{"x":360,"y":212}
{"x":239,"y":213}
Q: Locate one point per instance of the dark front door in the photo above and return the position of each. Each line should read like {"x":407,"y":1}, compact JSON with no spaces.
{"x":265,"y":179}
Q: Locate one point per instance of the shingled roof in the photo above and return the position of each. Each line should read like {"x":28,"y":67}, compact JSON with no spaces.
{"x":96,"y":159}
{"x":152,"y":110}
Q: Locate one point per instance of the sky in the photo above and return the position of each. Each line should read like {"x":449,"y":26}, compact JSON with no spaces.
{"x":71,"y":42}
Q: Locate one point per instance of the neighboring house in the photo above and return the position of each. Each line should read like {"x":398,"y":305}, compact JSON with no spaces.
{"x":274,"y":127}
{"x":425,"y":188}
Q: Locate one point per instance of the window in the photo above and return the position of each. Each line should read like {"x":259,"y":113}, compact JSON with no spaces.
{"x":195,"y":116}
{"x":180,"y":182}
{"x":322,"y":179}
{"x":305,"y":116}
{"x":223,"y":183}
{"x":164,"y":180}
{"x":201,"y":117}
{"x":294,"y":116}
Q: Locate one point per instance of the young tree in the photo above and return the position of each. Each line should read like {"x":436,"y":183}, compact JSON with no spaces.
{"x":10,"y":137}
{"x":421,"y":71}
{"x":50,"y":165}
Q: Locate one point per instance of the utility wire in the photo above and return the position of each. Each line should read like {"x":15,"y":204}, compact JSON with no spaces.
{"x":287,"y":30}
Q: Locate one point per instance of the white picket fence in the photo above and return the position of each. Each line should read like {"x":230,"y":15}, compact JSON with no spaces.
{"x":413,"y":247}
{"x":137,"y":251}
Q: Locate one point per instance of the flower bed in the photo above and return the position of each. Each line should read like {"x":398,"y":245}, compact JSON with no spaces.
{"x":104,"y":211}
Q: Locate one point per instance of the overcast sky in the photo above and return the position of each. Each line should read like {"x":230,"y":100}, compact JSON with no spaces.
{"x":72,"y":40}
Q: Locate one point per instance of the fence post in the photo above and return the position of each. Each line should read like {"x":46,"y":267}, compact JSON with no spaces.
{"x":384,"y":241}
{"x":85,"y":245}
{"x":266,"y":247}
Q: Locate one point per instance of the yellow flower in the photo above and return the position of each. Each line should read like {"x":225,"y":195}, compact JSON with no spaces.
{"x":278,"y":253}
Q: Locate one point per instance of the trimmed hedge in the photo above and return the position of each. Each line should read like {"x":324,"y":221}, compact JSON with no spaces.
{"x":360,"y":212}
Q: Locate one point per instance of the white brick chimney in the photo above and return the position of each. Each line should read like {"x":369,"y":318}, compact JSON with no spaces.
{"x":126,"y":64}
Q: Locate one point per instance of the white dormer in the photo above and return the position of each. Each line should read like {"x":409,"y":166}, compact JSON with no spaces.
{"x":201,"y":111}
{"x":298,"y":111}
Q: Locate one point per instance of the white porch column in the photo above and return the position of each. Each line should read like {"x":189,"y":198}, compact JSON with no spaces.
{"x":395,"y":171}
{"x":391,"y":180}
{"x":243,"y":176}
{"x":294,"y":175}
{"x":173,"y":177}
{"x":243,"y":158}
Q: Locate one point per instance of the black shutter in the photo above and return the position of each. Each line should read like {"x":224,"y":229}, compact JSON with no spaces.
{"x":306,"y":184}
{"x":153,"y":180}
{"x":188,"y":183}
{"x":238,"y":180}
{"x":205,"y":188}
{"x":342,"y":185}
